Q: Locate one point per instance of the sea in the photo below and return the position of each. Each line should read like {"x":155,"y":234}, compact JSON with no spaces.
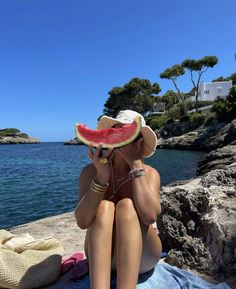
{"x":41,"y":180}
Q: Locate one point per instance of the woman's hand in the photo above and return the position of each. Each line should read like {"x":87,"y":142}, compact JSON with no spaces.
{"x":101,"y":162}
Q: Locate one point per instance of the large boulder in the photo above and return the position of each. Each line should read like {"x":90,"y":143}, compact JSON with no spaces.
{"x":186,"y":141}
{"x":203,"y":138}
{"x":175,"y":128}
{"x":197,"y":224}
{"x":226,"y":135}
{"x":217,"y":159}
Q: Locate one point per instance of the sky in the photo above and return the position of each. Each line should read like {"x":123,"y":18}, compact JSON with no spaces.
{"x":60,"y":58}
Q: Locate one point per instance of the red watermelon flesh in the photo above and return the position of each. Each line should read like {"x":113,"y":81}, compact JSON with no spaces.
{"x":110,"y":137}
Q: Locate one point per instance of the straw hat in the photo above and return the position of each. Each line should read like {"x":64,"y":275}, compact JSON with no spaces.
{"x":127,"y":116}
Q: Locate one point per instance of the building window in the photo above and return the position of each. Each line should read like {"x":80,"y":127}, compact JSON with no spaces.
{"x":219,"y":90}
{"x":206,"y":91}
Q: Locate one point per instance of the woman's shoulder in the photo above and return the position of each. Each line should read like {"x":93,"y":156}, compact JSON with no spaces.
{"x":151,"y":170}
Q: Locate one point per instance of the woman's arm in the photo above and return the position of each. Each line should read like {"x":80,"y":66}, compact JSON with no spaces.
{"x":146,"y":187}
{"x":146,"y":190}
{"x":89,"y":199}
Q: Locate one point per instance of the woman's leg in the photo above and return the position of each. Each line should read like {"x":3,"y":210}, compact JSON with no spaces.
{"x":128,"y":244}
{"x":152,"y":248}
{"x":98,"y":246}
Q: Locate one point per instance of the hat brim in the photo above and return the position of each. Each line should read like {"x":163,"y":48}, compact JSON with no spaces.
{"x":149,"y":136}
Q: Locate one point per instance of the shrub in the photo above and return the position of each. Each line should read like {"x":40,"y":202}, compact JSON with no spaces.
{"x":175,"y":112}
{"x":201,"y":103}
{"x":232,"y":95}
{"x":169,"y":120}
{"x":152,"y":117}
{"x":9,"y":132}
{"x":210,"y":119}
{"x":155,"y":124}
{"x":225,"y":109}
{"x":185,"y":118}
{"x":23,"y":135}
{"x":197,"y":119}
{"x":158,"y":122}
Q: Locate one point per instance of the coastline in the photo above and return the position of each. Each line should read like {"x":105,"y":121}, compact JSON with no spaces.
{"x":196,"y":222}
{"x":63,"y":227}
{"x":18,"y":140}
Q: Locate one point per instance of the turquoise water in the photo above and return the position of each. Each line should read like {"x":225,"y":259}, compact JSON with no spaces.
{"x":41,"y":180}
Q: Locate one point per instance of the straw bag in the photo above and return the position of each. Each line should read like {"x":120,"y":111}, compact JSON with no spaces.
{"x":28,"y":265}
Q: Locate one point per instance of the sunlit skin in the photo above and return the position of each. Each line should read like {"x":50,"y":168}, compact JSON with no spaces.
{"x":120,"y":236}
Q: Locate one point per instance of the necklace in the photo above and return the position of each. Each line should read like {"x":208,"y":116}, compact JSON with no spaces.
{"x":115,"y":190}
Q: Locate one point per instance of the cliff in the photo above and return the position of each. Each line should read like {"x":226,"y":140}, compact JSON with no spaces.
{"x":205,"y":139}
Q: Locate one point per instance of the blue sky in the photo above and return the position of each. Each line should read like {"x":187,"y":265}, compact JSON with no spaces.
{"x":60,"y":58}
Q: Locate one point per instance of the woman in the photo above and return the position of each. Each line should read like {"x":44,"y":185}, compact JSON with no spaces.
{"x":118,"y":203}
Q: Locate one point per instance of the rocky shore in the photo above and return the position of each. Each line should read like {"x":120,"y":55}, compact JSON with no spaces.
{"x":202,"y":138}
{"x":15,"y":136}
{"x":18,"y":140}
{"x":198,"y":220}
{"x":74,"y":141}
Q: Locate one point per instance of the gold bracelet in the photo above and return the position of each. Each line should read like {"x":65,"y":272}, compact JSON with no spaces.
{"x":98,"y":188}
{"x":103,"y":187}
{"x":96,"y":191}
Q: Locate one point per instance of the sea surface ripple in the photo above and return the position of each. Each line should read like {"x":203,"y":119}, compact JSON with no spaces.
{"x":41,"y":180}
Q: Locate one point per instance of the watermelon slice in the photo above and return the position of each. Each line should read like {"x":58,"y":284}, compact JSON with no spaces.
{"x":110,"y":137}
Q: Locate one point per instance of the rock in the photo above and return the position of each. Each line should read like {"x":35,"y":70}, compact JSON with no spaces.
{"x":74,"y":141}
{"x":197,"y":225}
{"x":225,"y":136}
{"x":176,"y":129}
{"x":218,"y":159}
{"x":62,"y":227}
{"x":18,"y":140}
{"x":187,"y":141}
{"x":204,"y":139}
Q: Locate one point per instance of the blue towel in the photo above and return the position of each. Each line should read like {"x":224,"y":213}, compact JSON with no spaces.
{"x":163,"y":276}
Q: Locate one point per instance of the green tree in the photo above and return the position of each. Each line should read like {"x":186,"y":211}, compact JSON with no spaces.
{"x":233,"y":78}
{"x":199,"y":66}
{"x":169,"y":98}
{"x":172,"y":74}
{"x":221,"y":78}
{"x":9,"y":132}
{"x":138,"y":94}
{"x":225,"y":109}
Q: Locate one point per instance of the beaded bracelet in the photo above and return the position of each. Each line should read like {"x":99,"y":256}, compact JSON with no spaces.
{"x":98,"y":188}
{"x":138,"y":172}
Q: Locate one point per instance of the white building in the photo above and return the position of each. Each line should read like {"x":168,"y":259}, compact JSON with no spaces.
{"x":158,"y":108}
{"x":210,"y":90}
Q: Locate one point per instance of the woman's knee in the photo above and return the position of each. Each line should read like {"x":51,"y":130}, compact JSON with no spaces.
{"x":125,"y":209}
{"x":105,"y":212}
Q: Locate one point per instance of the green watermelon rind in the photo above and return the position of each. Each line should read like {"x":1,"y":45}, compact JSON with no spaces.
{"x":137,"y":120}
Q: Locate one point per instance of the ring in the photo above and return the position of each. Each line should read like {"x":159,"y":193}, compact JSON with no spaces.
{"x":103,"y":161}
